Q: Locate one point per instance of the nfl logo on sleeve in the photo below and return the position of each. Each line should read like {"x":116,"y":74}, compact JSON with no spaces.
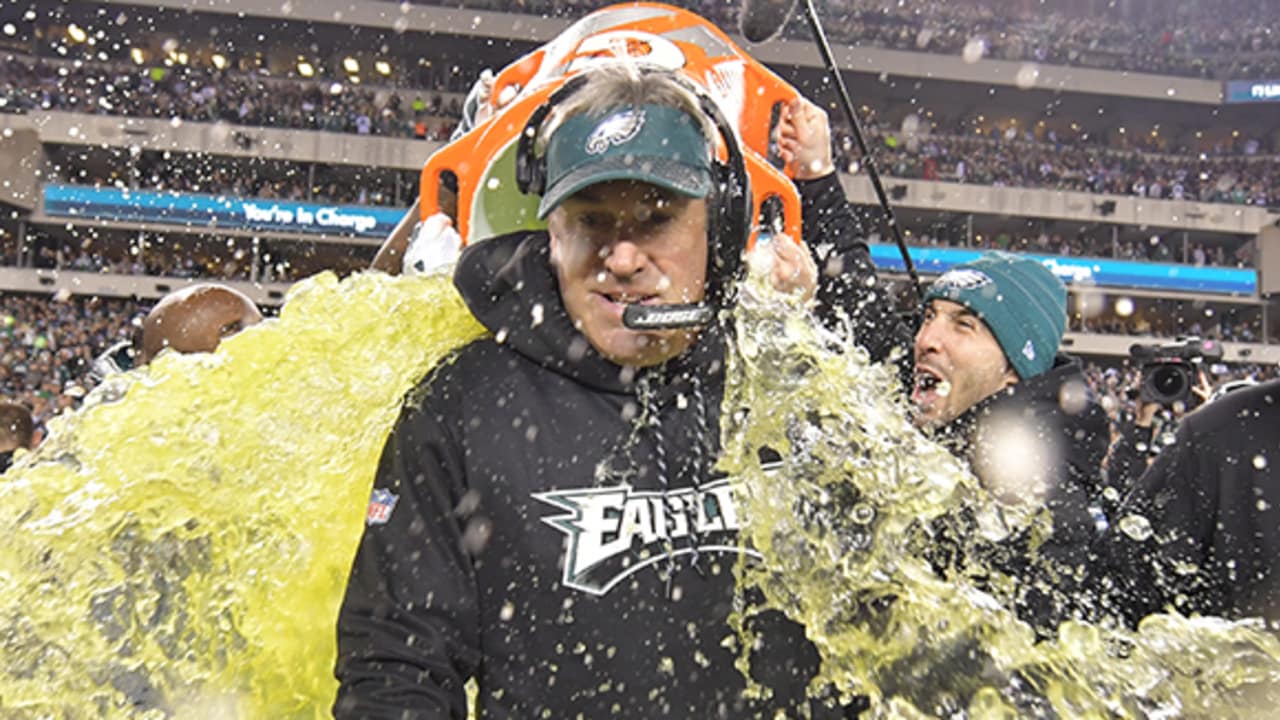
{"x":380,"y":507}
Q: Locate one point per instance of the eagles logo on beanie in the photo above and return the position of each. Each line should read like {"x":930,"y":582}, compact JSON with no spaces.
{"x":1020,"y":300}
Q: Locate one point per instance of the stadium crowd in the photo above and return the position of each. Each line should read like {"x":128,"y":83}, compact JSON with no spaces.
{"x":1012,"y":159}
{"x":1238,"y":174}
{"x":206,"y":94}
{"x":176,"y":256}
{"x":1171,"y":324}
{"x":1157,"y":248}
{"x":1194,"y":40}
{"x":47,"y":346}
{"x":244,"y":181}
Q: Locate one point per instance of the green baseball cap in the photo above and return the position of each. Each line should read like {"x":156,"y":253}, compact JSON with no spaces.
{"x":655,"y":144}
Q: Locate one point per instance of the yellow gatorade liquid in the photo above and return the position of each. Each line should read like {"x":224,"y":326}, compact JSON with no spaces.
{"x":845,"y":523}
{"x":180,"y":545}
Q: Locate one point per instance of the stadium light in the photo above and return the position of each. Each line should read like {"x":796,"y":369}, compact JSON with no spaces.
{"x":138,"y":56}
{"x":219,"y":61}
{"x":76,"y":33}
{"x":351,"y":65}
{"x":305,"y":69}
{"x":383,"y":67}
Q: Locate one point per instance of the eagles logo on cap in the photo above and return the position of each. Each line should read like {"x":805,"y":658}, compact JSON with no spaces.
{"x":962,"y":279}
{"x":615,"y":130}
{"x":656,"y":144}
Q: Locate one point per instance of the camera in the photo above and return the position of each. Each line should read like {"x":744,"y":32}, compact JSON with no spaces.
{"x":1168,"y":370}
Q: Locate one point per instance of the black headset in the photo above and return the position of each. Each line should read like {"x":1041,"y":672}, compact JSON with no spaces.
{"x":729,"y":218}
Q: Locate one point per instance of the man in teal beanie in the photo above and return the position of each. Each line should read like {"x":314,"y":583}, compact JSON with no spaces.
{"x":987,"y":324}
{"x":990,"y":384}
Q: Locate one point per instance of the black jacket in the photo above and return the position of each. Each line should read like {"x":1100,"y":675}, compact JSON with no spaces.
{"x":848,"y":289}
{"x":1200,"y":531}
{"x":550,"y":524}
{"x":1059,"y":436}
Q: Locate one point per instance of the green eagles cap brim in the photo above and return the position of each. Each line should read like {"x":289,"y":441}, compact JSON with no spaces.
{"x":668,"y":174}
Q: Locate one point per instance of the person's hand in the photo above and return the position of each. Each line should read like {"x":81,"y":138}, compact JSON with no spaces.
{"x":433,"y":248}
{"x":791,"y":267}
{"x":1203,"y":388}
{"x":1146,"y":414}
{"x":804,"y":140}
{"x":483,"y":91}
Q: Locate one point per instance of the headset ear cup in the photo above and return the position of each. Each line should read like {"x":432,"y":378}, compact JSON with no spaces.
{"x":531,"y":170}
{"x":527,"y":162}
{"x":538,"y":176}
{"x":727,"y":232}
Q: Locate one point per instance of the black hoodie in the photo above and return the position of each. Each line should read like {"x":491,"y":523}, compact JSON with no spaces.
{"x":549,"y":523}
{"x":1200,"y":532}
{"x":1060,"y":435}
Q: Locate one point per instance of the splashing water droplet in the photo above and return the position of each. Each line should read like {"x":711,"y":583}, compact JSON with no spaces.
{"x":863,"y":514}
{"x":974,"y":50}
{"x":1136,"y":527}
{"x":1027,"y":76}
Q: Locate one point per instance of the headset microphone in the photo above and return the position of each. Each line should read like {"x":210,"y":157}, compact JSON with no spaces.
{"x":667,"y":317}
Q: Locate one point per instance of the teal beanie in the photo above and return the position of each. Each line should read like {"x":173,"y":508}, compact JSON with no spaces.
{"x":1021,"y":301}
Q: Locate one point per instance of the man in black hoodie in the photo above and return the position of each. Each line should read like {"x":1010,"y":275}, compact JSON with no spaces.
{"x":989,"y":383}
{"x":1200,"y":532}
{"x":546,"y":519}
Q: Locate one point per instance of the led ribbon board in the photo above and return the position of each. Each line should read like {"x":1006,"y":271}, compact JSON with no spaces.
{"x":1252,"y":91}
{"x":218,"y":212}
{"x":1090,"y":271}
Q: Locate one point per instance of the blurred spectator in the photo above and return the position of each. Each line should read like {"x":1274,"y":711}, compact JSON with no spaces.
{"x":196,"y":319}
{"x":17,"y":431}
{"x":47,"y":346}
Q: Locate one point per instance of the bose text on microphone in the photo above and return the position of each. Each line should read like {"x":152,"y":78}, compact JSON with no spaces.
{"x":666,"y":317}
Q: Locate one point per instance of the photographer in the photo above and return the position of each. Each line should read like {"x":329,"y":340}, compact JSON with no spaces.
{"x":1172,"y":383}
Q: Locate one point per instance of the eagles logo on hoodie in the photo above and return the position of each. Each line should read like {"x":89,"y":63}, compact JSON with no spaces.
{"x":616,"y":531}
